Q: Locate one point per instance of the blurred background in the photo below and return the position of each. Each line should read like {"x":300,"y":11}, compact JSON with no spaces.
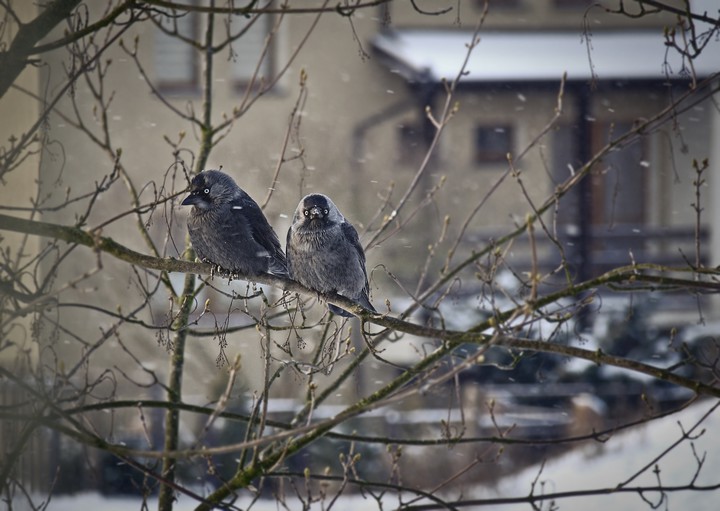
{"x":349,"y":104}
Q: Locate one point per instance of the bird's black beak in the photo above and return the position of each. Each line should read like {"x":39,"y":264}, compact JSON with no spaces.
{"x":191,"y":200}
{"x":315,"y":212}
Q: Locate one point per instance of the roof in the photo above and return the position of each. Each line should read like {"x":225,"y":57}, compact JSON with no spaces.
{"x":521,"y":56}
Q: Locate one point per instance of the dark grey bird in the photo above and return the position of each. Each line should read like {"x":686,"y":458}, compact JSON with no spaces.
{"x":324,"y":252}
{"x":228,"y":228}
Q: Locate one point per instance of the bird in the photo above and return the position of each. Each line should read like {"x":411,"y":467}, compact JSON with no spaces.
{"x":229,"y":230}
{"x":324,"y":252}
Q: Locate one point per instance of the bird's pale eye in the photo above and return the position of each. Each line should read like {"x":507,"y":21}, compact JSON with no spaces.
{"x":325,"y":211}
{"x":206,"y":191}
{"x":307,"y":213}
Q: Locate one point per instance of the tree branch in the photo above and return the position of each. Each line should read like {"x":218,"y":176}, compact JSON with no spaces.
{"x":474,"y":335}
{"x":16,"y":57}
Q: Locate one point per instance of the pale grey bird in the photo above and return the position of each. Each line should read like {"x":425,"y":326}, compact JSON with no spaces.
{"x":324,"y":252}
{"x":228,"y":229}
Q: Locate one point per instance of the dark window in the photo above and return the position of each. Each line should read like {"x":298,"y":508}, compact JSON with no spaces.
{"x":492,"y":143}
{"x":617,"y":182}
{"x":253,"y":53}
{"x":619,"y":179}
{"x":176,"y":65}
{"x":564,"y":165}
{"x":613,"y":202}
{"x":411,"y":149}
{"x":500,"y":4}
{"x":573,"y":4}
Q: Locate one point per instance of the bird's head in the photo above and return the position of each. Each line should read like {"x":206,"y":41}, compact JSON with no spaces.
{"x":210,"y":188}
{"x":317,"y":210}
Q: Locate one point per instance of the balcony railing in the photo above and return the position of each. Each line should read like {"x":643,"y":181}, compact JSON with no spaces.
{"x":604,"y":248}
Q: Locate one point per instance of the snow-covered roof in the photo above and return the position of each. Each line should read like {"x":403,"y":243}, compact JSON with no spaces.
{"x":514,"y":56}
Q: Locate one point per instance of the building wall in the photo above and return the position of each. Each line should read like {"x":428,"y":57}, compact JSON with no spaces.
{"x":19,"y":111}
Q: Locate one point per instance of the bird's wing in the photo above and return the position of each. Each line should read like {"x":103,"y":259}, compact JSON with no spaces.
{"x":288,"y":252}
{"x":245,"y":207}
{"x":352,"y":236}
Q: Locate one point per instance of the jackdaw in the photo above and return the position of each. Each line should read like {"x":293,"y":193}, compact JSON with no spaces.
{"x":228,"y":229}
{"x":324,"y":252}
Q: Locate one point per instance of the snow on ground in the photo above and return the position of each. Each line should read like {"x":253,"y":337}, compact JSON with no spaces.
{"x":593,"y":466}
{"x":607,"y":465}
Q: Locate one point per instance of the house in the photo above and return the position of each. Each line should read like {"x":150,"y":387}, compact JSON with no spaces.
{"x":366,"y":99}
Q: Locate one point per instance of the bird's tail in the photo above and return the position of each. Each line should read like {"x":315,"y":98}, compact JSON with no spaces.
{"x":365,"y":302}
{"x":340,"y":312}
{"x":278,"y":267}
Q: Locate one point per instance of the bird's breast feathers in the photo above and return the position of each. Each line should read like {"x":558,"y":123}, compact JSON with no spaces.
{"x":312,"y":239}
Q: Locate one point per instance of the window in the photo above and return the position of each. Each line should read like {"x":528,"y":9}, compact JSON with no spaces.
{"x":411,"y":149}
{"x":499,"y":4}
{"x":492,"y":144}
{"x":613,"y":200}
{"x":573,"y":4}
{"x":564,"y":164}
{"x":250,"y":48}
{"x":176,"y":64}
{"x":618,"y":182}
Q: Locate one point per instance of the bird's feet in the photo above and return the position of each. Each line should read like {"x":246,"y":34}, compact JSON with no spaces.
{"x":214,"y":268}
